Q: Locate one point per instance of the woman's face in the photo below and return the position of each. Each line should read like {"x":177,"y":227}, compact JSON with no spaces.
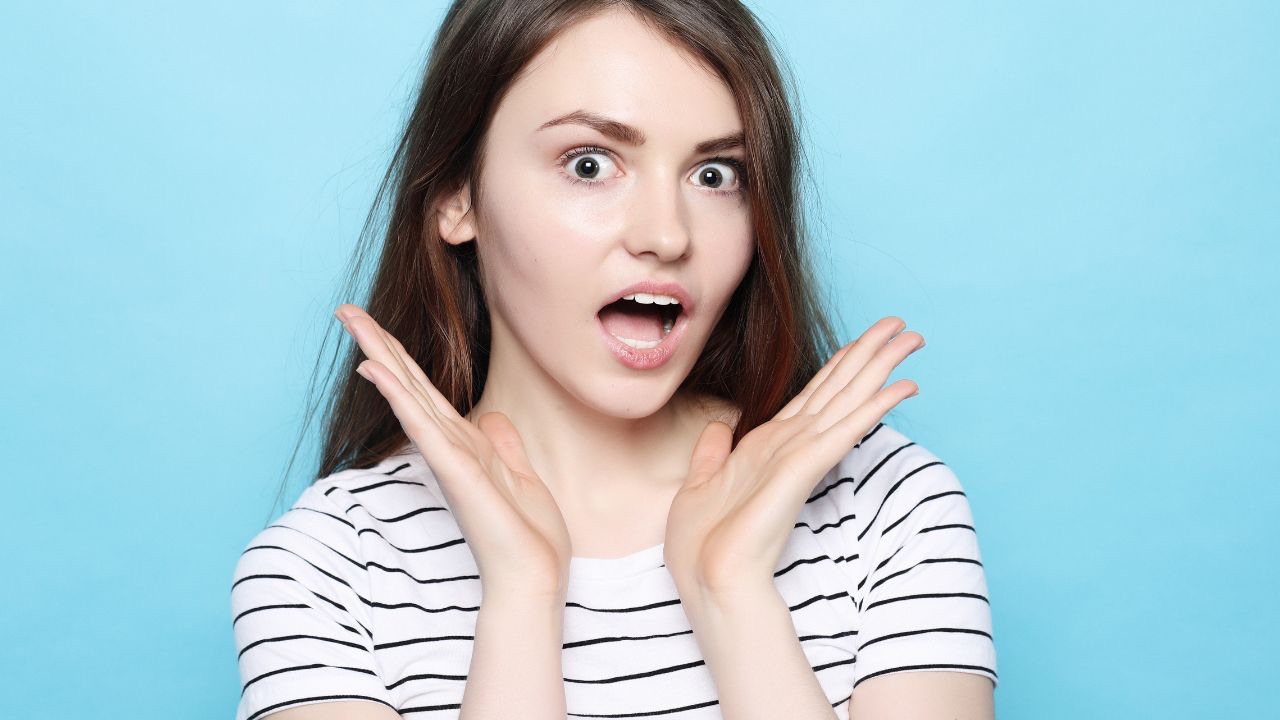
{"x":575,"y":210}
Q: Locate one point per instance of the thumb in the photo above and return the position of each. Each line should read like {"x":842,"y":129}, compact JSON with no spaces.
{"x":506,"y":442}
{"x":710,"y":452}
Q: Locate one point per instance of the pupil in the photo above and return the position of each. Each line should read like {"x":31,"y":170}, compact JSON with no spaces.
{"x":588,"y":168}
{"x":711,"y":177}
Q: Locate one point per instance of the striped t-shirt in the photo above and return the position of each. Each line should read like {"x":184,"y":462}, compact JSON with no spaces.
{"x":366,"y":590}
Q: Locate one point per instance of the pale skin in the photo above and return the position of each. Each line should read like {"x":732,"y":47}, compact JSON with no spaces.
{"x":608,"y":460}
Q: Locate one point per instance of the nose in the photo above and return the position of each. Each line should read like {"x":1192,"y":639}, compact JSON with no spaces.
{"x":659,"y":222}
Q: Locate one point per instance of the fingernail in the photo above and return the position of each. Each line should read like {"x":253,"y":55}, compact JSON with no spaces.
{"x":340,"y":315}
{"x":363,"y":373}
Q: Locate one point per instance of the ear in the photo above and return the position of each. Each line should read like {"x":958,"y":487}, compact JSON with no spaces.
{"x":456,"y":221}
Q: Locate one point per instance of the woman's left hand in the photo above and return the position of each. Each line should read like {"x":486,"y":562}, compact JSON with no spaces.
{"x":728,"y":524}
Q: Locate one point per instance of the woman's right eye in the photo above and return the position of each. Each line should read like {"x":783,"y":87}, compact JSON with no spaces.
{"x":588,"y":165}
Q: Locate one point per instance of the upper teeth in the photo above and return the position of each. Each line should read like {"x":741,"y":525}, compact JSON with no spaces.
{"x":648,"y":299}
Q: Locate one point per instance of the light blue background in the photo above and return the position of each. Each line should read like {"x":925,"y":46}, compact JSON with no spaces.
{"x":1077,"y":204}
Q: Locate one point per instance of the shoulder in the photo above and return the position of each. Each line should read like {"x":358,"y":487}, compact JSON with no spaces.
{"x":917,"y":578}
{"x":370,"y":496}
{"x":333,"y":506}
{"x":321,"y":536}
{"x":302,"y":596}
{"x":894,"y":496}
{"x":886,"y":464}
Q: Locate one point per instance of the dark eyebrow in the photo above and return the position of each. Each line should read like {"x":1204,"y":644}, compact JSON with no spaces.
{"x":631,"y":135}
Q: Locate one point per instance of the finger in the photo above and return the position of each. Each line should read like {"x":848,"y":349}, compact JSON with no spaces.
{"x":373,"y":342}
{"x":823,"y":450}
{"x":870,"y":379}
{"x":391,"y":352}
{"x":408,"y":409}
{"x":863,"y":348}
{"x":709,"y":453}
{"x":367,"y":336}
{"x":791,"y":408}
{"x":377,"y":344}
{"x":506,"y":441}
{"x":393,"y":357}
{"x":415,"y":372}
{"x":850,"y":429}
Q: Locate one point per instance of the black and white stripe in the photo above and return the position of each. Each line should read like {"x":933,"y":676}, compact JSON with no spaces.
{"x":365,"y":589}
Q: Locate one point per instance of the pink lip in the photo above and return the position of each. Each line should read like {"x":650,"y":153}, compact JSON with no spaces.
{"x":654,"y":357}
{"x":654,"y":287}
{"x":648,"y":359}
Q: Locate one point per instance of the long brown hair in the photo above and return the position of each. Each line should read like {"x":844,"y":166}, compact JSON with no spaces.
{"x":775,"y":333}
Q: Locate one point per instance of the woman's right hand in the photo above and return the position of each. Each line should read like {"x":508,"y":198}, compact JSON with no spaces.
{"x":508,"y":517}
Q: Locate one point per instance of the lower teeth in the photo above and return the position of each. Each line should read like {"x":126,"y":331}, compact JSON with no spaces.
{"x":639,"y":344}
{"x":646,"y":344}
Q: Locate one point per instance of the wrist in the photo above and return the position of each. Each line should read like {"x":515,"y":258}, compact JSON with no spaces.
{"x":522,"y":599}
{"x":722,"y":594}
{"x":724,"y":602}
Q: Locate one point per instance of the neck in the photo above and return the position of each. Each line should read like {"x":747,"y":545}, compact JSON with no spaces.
{"x":590,"y":458}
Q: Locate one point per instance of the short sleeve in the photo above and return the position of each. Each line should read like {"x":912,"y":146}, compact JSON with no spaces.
{"x":300,"y":614}
{"x":922,"y":594}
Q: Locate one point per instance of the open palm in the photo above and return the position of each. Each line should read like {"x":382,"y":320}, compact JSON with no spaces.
{"x":728,"y":524}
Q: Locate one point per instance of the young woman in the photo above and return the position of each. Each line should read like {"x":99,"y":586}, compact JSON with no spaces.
{"x":596,"y":465}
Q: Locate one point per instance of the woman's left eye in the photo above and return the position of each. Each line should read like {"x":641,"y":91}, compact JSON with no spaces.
{"x":721,"y":175}
{"x":591,"y":165}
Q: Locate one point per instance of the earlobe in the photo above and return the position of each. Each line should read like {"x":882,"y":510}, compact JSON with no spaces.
{"x":456,"y":221}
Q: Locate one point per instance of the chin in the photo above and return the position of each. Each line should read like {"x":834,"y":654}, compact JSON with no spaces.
{"x":632,"y":399}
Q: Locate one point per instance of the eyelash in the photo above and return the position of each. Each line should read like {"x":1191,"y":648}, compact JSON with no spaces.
{"x":739,"y":168}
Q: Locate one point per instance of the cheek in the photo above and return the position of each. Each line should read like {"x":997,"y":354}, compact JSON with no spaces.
{"x":537,"y":249}
{"x":548,"y":219}
{"x":723,"y":226}
{"x":552,"y":247}
{"x":535,"y":230}
{"x":728,"y":246}
{"x":581,"y":214}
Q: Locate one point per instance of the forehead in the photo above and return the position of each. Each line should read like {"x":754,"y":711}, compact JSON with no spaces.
{"x":615,"y":65}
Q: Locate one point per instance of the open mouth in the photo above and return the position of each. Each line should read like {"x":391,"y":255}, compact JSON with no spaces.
{"x":641,"y":320}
